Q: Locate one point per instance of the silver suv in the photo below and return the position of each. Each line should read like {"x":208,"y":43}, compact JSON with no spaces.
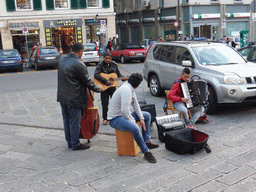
{"x":231,"y":79}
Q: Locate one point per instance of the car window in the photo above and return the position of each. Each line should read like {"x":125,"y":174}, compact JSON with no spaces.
{"x":164,"y":53}
{"x":48,"y":51}
{"x":245,"y":52}
{"x":151,"y":42}
{"x":182,"y":54}
{"x":133,"y":46}
{"x":89,"y":48}
{"x":217,"y":55}
{"x":143,"y":42}
{"x":9,"y":53}
{"x":254,"y":55}
{"x":118,"y":47}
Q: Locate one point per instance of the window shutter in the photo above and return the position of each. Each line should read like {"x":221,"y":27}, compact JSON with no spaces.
{"x":105,"y":4}
{"x":49,"y":4}
{"x":37,"y":4}
{"x":10,"y":5}
{"x":82,"y":4}
{"x":74,"y":4}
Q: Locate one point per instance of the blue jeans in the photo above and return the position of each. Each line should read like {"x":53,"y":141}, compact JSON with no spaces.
{"x":184,"y":112}
{"x":72,"y":124}
{"x":123,"y":124}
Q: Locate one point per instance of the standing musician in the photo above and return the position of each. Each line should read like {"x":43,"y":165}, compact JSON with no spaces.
{"x":107,"y":67}
{"x":122,"y":118}
{"x":178,"y":100}
{"x":73,"y":81}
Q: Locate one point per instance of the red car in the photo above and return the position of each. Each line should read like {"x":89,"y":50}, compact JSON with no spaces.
{"x":129,"y":51}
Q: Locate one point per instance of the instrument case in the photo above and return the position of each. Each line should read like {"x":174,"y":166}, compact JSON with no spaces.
{"x":151,"y":109}
{"x":183,"y":141}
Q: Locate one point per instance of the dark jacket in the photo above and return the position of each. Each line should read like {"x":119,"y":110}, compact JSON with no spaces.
{"x":232,"y":44}
{"x":73,"y":81}
{"x":103,"y":67}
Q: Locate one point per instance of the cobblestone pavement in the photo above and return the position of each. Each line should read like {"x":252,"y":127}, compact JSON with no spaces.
{"x":34,"y":155}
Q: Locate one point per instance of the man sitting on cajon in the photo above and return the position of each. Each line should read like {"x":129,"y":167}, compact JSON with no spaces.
{"x":120,"y":116}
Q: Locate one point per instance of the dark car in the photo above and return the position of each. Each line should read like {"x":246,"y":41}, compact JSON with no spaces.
{"x":44,"y":56}
{"x":248,"y":53}
{"x":129,"y":51}
{"x":10,"y":59}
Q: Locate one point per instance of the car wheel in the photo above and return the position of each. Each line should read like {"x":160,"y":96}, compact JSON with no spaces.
{"x":212,"y":108}
{"x":122,"y":59}
{"x":154,"y":86}
{"x":36,"y":66}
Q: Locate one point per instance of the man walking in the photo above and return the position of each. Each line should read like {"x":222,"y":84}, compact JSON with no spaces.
{"x":73,"y":81}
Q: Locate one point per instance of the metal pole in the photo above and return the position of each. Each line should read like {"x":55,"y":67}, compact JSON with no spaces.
{"x":26,"y":44}
{"x":179,"y":19}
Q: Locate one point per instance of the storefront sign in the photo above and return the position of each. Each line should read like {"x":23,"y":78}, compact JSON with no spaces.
{"x":48,"y":37}
{"x":152,"y":19}
{"x":62,"y":23}
{"x":79,"y":35}
{"x":232,"y":15}
{"x":23,"y":24}
{"x":133,"y":21}
{"x":166,"y":18}
{"x":121,"y":22}
{"x":207,"y":16}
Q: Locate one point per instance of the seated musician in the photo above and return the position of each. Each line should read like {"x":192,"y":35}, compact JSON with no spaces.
{"x":178,"y":100}
{"x":106,"y":66}
{"x":122,"y":118}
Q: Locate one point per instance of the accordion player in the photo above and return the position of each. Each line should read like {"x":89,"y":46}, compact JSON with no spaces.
{"x":196,"y":91}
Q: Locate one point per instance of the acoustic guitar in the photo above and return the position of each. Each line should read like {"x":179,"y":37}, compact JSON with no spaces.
{"x":113,"y":79}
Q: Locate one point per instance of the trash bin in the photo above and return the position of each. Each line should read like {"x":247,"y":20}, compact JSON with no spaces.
{"x":244,"y":38}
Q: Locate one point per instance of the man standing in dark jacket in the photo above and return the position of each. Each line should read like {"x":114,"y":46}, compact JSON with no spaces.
{"x":106,"y":66}
{"x":73,"y":81}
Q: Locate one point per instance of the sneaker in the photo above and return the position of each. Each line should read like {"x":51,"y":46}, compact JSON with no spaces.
{"x":82,"y":147}
{"x":151,"y":145}
{"x":149,"y":157}
{"x":190,"y":127}
{"x":105,"y":122}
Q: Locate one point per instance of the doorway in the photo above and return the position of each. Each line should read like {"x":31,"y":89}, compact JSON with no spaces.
{"x":205,"y":31}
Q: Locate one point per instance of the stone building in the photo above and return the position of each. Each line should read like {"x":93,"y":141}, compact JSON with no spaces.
{"x":55,"y":22}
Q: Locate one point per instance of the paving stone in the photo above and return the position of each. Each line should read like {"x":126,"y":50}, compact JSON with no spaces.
{"x":249,"y":184}
{"x":244,"y":158}
{"x":191,"y":183}
{"x":16,"y":155}
{"x":225,"y":167}
{"x":237,"y":175}
{"x":212,"y":186}
{"x":5,"y":147}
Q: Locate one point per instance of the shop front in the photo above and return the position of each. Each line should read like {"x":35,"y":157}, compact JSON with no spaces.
{"x":149,"y":27}
{"x":96,"y":29}
{"x":63,"y":33}
{"x":236,"y":22}
{"x":24,"y":42}
{"x":167,"y":26}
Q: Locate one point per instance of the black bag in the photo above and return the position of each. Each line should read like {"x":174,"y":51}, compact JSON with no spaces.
{"x":151,"y":109}
{"x":186,"y":141}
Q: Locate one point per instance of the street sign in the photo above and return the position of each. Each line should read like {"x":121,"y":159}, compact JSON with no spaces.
{"x":253,"y":16}
{"x":25,"y":31}
{"x":223,"y":23}
{"x":176,"y":24}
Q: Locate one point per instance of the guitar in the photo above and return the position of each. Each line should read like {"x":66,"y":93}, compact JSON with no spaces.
{"x":113,"y":79}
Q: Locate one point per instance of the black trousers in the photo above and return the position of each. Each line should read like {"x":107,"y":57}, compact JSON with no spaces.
{"x":105,"y":95}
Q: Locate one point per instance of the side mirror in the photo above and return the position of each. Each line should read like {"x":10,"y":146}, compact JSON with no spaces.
{"x":187,"y":63}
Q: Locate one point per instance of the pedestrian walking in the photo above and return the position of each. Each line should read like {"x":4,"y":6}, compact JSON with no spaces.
{"x":73,"y":82}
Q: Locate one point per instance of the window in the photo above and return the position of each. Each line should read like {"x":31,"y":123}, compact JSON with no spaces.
{"x":182,"y":54}
{"x":164,"y":53}
{"x":23,"y":4}
{"x":93,"y":3}
{"x":61,"y":4}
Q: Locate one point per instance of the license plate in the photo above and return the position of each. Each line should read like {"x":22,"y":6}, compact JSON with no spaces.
{"x":139,"y":54}
{"x":88,"y":55}
{"x":50,"y":58}
{"x":8,"y":61}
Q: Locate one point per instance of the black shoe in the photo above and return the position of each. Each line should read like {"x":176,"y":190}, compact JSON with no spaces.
{"x":69,"y":146}
{"x":151,"y":145}
{"x":82,"y":147}
{"x":207,"y":148}
{"x":149,"y":157}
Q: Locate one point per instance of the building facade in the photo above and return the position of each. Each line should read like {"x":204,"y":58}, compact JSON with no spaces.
{"x":55,"y":22}
{"x":146,"y":19}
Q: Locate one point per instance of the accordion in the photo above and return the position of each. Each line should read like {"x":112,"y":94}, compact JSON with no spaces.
{"x":196,"y":91}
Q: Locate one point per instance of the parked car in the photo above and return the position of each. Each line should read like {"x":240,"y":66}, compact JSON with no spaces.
{"x":145,"y":43}
{"x":91,"y":53}
{"x":249,"y":53}
{"x":44,"y":56}
{"x":230,"y":78}
{"x":129,"y":51}
{"x":10,"y":59}
{"x":237,"y":42}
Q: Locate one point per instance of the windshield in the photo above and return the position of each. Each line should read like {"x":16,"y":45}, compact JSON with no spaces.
{"x":48,"y":51}
{"x":151,"y":42}
{"x":217,"y":55}
{"x":89,"y":48}
{"x":135,"y":46}
{"x":9,"y":53}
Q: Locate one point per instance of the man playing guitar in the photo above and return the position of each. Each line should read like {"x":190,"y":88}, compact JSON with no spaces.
{"x":102,"y":74}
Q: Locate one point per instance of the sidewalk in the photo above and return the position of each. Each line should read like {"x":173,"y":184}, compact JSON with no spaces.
{"x":34,"y":155}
